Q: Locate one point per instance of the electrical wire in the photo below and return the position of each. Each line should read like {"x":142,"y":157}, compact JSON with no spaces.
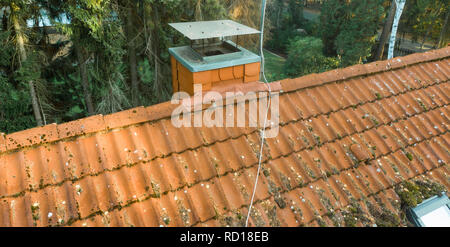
{"x":263,"y":131}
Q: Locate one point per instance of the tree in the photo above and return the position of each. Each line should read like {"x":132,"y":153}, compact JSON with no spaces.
{"x":111,"y":55}
{"x":158,"y":36}
{"x":207,"y":10}
{"x":79,"y":31}
{"x":386,"y":31}
{"x":305,"y":57}
{"x":350,"y":28}
{"x":333,"y":17}
{"x":247,"y":12}
{"x":286,"y":21}
{"x":131,"y":45}
{"x":15,"y":107}
{"x":277,"y":7}
{"x":114,"y":54}
{"x":433,"y":12}
{"x":82,"y":60}
{"x":295,"y":8}
{"x":424,"y":19}
{"x":17,"y":12}
{"x":96,"y":28}
{"x":444,"y":37}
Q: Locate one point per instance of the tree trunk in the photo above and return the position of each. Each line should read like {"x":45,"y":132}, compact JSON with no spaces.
{"x":444,"y":37}
{"x":23,"y":57}
{"x":132,"y":56}
{"x":385,"y":33}
{"x":279,"y":15}
{"x":156,"y":21}
{"x":198,"y":11}
{"x":424,"y":38}
{"x":4,"y":21}
{"x":400,"y":4}
{"x":85,"y":81}
{"x":296,"y":10}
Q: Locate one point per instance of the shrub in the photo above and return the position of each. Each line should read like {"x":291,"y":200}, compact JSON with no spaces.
{"x":305,"y":57}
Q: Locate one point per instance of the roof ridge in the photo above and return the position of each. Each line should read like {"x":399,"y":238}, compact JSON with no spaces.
{"x":317,"y":79}
{"x":98,"y":123}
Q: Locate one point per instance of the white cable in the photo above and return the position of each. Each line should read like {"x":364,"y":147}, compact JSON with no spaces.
{"x":263,"y":131}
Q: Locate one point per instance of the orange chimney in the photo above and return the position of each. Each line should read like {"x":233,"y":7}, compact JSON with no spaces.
{"x":211,"y":60}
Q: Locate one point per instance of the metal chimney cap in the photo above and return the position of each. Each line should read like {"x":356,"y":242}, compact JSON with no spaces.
{"x":212,"y":29}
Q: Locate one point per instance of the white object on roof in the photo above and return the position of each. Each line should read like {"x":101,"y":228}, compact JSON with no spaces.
{"x":212,"y":29}
{"x":437,"y":218}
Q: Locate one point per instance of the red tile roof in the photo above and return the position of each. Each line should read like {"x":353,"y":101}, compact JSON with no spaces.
{"x":347,"y":138}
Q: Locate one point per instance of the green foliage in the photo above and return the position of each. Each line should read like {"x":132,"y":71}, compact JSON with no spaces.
{"x":286,"y":18}
{"x":15,"y":104}
{"x":68,"y":96}
{"x":29,"y":70}
{"x":286,"y":13}
{"x":206,"y":10}
{"x":295,"y":8}
{"x":247,"y":12}
{"x":86,"y":15}
{"x":281,"y":39}
{"x":333,"y":15}
{"x":146,"y":73}
{"x":99,"y":29}
{"x":350,"y":28}
{"x":424,"y":18}
{"x":305,"y":57}
{"x":7,"y":50}
{"x":355,"y":41}
{"x":15,"y":107}
{"x":274,"y":66}
{"x":112,"y":92}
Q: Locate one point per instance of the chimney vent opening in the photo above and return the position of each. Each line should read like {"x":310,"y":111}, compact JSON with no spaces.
{"x":215,"y":48}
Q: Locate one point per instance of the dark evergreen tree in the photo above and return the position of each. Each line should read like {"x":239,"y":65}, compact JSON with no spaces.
{"x":350,"y":28}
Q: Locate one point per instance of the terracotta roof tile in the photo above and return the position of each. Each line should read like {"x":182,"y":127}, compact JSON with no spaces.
{"x":2,"y":142}
{"x":32,"y":137}
{"x":347,"y":138}
{"x":81,"y":127}
{"x":126,"y":118}
{"x":298,"y":83}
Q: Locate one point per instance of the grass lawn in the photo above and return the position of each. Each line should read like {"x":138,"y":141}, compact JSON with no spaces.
{"x":273,"y":66}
